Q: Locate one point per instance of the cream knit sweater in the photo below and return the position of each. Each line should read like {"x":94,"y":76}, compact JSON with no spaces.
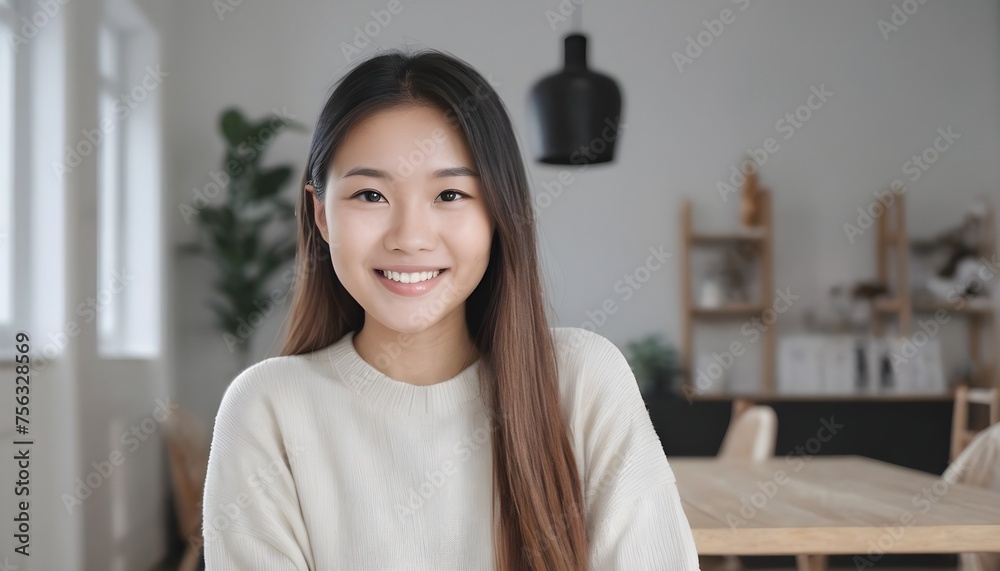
{"x":321,"y":462}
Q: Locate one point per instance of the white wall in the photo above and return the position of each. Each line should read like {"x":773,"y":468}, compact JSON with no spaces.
{"x":684,"y":129}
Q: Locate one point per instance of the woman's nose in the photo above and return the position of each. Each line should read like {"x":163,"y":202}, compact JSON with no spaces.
{"x":411,"y":229}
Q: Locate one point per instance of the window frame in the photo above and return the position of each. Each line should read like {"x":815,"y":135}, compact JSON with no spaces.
{"x":111,"y":324}
{"x":19,"y":207}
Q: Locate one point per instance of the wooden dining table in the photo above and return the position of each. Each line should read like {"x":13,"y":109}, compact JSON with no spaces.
{"x":815,"y":506}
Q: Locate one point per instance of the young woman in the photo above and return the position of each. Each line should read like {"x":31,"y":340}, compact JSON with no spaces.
{"x":423,"y":414}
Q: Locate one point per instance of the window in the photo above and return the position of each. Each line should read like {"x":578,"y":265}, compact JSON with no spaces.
{"x":129,"y":290}
{"x":32,"y":139}
{"x":8,"y":86}
{"x":110,"y":180}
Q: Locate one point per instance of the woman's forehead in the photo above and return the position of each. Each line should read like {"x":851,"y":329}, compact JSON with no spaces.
{"x":401,"y":142}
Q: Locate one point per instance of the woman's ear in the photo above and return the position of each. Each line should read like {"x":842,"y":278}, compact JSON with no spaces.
{"x":319,"y":212}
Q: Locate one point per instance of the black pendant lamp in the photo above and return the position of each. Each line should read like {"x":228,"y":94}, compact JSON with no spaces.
{"x":576,"y":112}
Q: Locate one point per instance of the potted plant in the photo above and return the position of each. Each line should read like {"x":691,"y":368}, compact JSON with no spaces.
{"x":655,"y":363}
{"x":250,"y":235}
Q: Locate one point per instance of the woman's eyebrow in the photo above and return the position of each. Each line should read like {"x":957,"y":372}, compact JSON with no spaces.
{"x":441,"y":173}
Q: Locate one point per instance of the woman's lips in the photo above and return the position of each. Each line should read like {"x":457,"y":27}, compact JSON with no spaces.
{"x":410,"y":290}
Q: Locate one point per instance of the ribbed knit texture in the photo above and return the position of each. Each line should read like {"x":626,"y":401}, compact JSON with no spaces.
{"x":321,"y":462}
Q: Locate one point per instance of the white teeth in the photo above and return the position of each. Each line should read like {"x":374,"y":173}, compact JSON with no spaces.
{"x":410,"y":278}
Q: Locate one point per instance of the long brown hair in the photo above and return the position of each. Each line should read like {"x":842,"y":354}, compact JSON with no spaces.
{"x":542,"y":515}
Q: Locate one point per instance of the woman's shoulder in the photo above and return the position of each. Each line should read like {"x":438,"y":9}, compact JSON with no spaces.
{"x":591,"y":363}
{"x":259,"y":381}
{"x":585,"y":348}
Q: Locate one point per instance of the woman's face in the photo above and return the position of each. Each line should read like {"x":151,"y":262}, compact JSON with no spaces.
{"x":402,"y":194}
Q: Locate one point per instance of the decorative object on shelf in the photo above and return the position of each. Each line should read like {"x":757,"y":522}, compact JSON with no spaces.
{"x":233,"y":231}
{"x":751,"y":206}
{"x":800,"y":364}
{"x":841,"y":364}
{"x":711,"y":291}
{"x":893,"y":252}
{"x":709,"y":376}
{"x":747,"y":260}
{"x":957,"y":252}
{"x":655,"y":363}
{"x":851,"y":305}
{"x":575,"y":109}
{"x":739,"y":259}
{"x":727,"y":278}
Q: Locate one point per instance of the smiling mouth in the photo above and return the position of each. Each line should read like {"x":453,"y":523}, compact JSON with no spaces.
{"x":381,"y":274}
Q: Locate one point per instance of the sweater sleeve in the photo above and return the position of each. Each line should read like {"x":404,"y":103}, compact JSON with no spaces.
{"x":635,"y":517}
{"x":251,"y":517}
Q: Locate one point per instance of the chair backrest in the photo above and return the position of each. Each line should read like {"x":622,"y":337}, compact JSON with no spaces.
{"x":751,"y":434}
{"x":188,"y":441}
{"x":978,"y":465}
{"x":965,"y":397}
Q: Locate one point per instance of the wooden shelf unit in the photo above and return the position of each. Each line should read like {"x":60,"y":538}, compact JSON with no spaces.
{"x":762,"y":237}
{"x":893,"y":254}
{"x":893,"y":259}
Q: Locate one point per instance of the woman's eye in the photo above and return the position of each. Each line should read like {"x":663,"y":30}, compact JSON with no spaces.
{"x":374,"y":196}
{"x":451,"y":194}
{"x":368,"y":194}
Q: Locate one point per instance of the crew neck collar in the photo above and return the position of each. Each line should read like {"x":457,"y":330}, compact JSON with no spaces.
{"x":386,"y":392}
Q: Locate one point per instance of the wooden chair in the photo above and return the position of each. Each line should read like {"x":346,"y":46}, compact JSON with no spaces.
{"x":978,"y":465}
{"x":188,"y":441}
{"x":751,"y":434}
{"x":965,"y":397}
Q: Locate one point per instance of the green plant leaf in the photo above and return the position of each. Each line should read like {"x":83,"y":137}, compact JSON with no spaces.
{"x":269,"y":183}
{"x":237,"y":231}
{"x":223,"y":315}
{"x":234,"y":126}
